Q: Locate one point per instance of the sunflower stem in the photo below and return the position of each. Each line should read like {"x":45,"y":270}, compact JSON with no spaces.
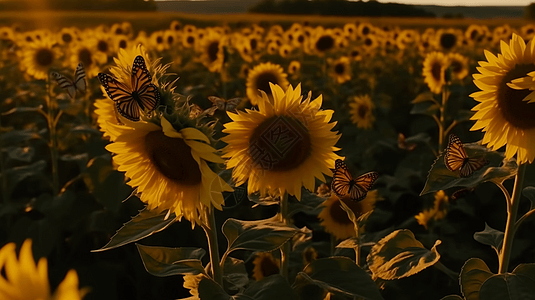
{"x":510,"y":227}
{"x":285,"y":249}
{"x":5,"y":194}
{"x":53,"y":144}
{"x":442,"y":124}
{"x":213,"y":247}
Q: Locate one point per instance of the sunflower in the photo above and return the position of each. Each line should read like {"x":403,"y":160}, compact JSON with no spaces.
{"x":340,"y":69}
{"x":285,"y":50}
{"x":191,"y":282}
{"x":474,"y":33}
{"x":350,"y":30}
{"x":105,"y":109}
{"x":38,"y":57}
{"x":261,"y":76}
{"x":211,"y":48}
{"x":23,"y":279}
{"x":175,"y":26}
{"x":68,"y":35}
{"x":335,"y":220}
{"x":435,"y":65}
{"x":458,"y":66}
{"x":299,"y":39}
{"x":86,"y":52}
{"x":283,"y":145}
{"x":265,"y":265}
{"x":120,"y":42}
{"x":157,"y":41}
{"x":435,"y":213}
{"x":365,"y":29}
{"x":189,"y":39}
{"x":322,"y":41}
{"x":170,"y":38}
{"x":528,"y":31}
{"x":362,"y":111}
{"x":502,"y":113}
{"x":294,"y":67}
{"x":448,"y":39}
{"x":169,"y":167}
{"x":370,"y":42}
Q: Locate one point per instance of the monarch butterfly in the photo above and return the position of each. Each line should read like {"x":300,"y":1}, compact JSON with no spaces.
{"x":142,"y":95}
{"x":343,"y":183}
{"x":71,"y":86}
{"x":455,"y":158}
{"x":223,"y":104}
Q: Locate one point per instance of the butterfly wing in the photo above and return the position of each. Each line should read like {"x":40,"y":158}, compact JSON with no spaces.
{"x":362,"y":185}
{"x":122,"y":95}
{"x":148,"y":94}
{"x":79,"y":78}
{"x":455,"y":155}
{"x":218,"y":102}
{"x":341,"y":179}
{"x":471,"y":165}
{"x":232,"y":103}
{"x":65,"y":83}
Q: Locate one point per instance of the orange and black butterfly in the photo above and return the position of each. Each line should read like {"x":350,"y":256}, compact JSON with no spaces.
{"x":456,"y":159}
{"x":223,"y":104}
{"x":131,"y":100}
{"x":343,"y":183}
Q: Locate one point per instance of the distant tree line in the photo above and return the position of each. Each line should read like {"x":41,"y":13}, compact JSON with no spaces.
{"x":339,"y":8}
{"x":529,"y":11}
{"x":117,"y":5}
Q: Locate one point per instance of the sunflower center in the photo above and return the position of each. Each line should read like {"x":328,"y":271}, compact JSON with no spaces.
{"x":517,"y":112}
{"x":122,"y":44}
{"x":170,"y":40}
{"x":159,"y":40}
{"x":172,"y":158}
{"x":473,"y":34}
{"x":102,"y":46}
{"x":279,"y":144}
{"x":436,"y":71}
{"x":368,"y":42}
{"x":213,"y":49}
{"x":263,"y":80}
{"x":253,"y":43}
{"x":44,"y":57}
{"x":268,"y":267}
{"x":530,"y":31}
{"x":66,"y":37}
{"x":456,"y":66}
{"x":365,"y":30}
{"x":362,"y":111}
{"x":118,"y":30}
{"x":340,"y":216}
{"x":448,"y":40}
{"x":339,"y":68}
{"x":300,"y":39}
{"x":85,"y":57}
{"x":325,"y":43}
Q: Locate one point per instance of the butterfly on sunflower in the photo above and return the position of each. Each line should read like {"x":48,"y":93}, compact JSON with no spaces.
{"x":71,"y":86}
{"x":141,"y":95}
{"x":222,"y":104}
{"x":344,"y":184}
{"x":456,"y":159}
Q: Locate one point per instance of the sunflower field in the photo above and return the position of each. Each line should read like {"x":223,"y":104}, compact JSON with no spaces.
{"x":261,"y":159}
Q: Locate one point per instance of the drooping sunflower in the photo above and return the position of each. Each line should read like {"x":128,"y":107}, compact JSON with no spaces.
{"x":261,"y":76}
{"x":286,"y":144}
{"x":502,"y":114}
{"x":38,"y":56}
{"x":169,"y":167}
{"x":335,"y":220}
{"x":340,"y":69}
{"x":23,"y":279}
{"x":265,"y":265}
{"x":458,"y":66}
{"x":362,"y":111}
{"x":435,"y":65}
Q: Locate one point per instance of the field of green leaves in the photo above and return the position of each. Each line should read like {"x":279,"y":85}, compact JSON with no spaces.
{"x":270,"y":158}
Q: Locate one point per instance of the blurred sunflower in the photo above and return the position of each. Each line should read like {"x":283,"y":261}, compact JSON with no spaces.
{"x":448,"y":39}
{"x":86,"y":52}
{"x":502,"y":113}
{"x":103,"y":45}
{"x":189,"y":39}
{"x":322,"y":41}
{"x":175,"y":26}
{"x":350,"y":30}
{"x":285,"y":50}
{"x":170,"y":38}
{"x":120,"y":42}
{"x":362,"y":111}
{"x":294,"y":67}
{"x":265,"y":265}
{"x":157,"y":41}
{"x":191,"y":282}
{"x":435,"y":65}
{"x":355,"y":54}
{"x":370,"y":43}
{"x":261,"y":76}
{"x":458,"y":66}
{"x":67,"y":36}
{"x":286,"y":144}
{"x":473,"y":34}
{"x":38,"y":57}
{"x":211,"y":48}
{"x":528,"y":31}
{"x":435,"y":213}
{"x":22,"y":279}
{"x":340,"y":69}
{"x":365,"y":29}
{"x":335,"y":220}
{"x":299,"y":39}
{"x":148,"y":156}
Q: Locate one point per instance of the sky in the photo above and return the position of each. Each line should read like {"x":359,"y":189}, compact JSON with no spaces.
{"x":465,"y":2}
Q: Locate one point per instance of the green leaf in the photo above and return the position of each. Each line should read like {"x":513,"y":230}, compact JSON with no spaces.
{"x":423,"y":97}
{"x":21,"y":109}
{"x":235,"y":275}
{"x":146,"y":223}
{"x":351,"y":243}
{"x":262,"y":235}
{"x":17,"y":174}
{"x":400,"y":255}
{"x":164,"y":261}
{"x":309,"y":204}
{"x":452,"y":297}
{"x":529,"y":192}
{"x":351,"y":216}
{"x":15,"y":137}
{"x":269,"y":288}
{"x":473,"y":274}
{"x":210,"y":290}
{"x":425,"y":108}
{"x":491,"y":237}
{"x":24,"y":154}
{"x":510,"y":286}
{"x":440,"y":178}
{"x":338,"y":275}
